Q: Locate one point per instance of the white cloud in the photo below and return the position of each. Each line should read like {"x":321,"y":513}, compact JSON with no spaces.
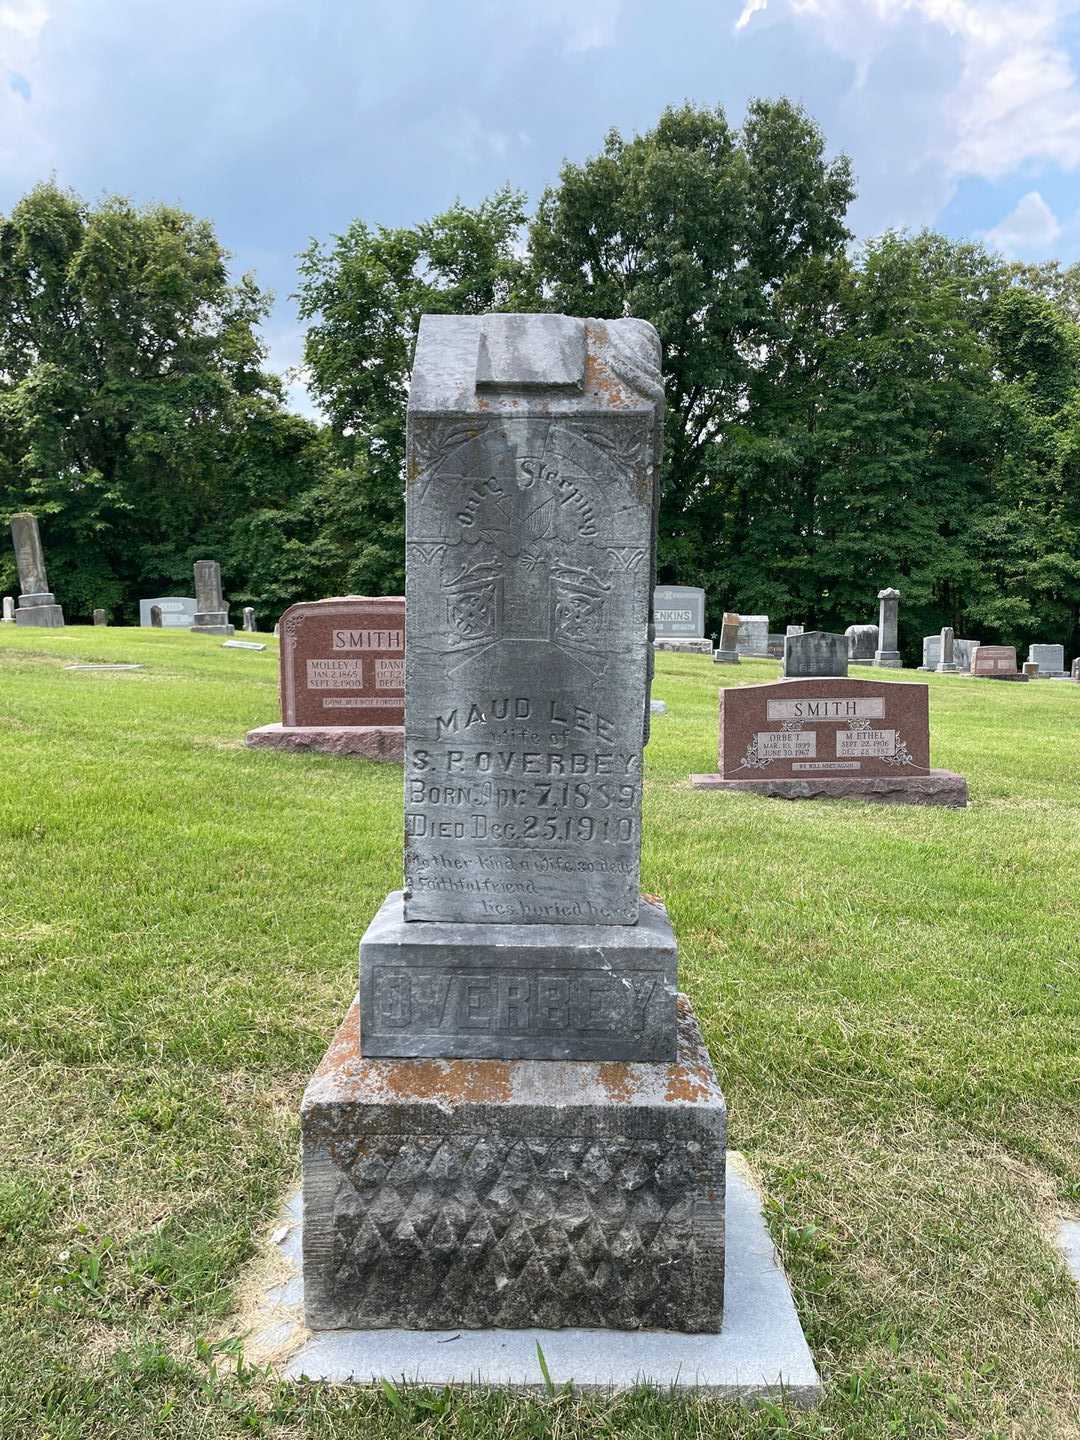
{"x":1014,"y":97}
{"x":25,"y":18}
{"x":1029,"y":228}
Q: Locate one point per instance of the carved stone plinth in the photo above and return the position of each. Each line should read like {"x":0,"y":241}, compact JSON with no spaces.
{"x":445,"y":1194}
{"x":49,"y":616}
{"x":516,"y":990}
{"x":938,"y":787}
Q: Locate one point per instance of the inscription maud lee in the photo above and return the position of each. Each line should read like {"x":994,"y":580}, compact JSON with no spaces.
{"x":530,"y":523}
{"x":343,"y":662}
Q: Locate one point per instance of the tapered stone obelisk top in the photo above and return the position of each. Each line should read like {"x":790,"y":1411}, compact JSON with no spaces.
{"x":530,"y":522}
{"x":887,"y":654}
{"x":37,"y":603}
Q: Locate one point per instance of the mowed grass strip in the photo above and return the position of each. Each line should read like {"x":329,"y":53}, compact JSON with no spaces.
{"x":891,"y":996}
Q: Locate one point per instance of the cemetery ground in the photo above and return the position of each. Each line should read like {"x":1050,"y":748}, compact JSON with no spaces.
{"x":891,"y":996}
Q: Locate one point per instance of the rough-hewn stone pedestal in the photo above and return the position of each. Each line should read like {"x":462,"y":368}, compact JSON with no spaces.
{"x":367,"y":742}
{"x":47,"y":614}
{"x":939,"y":787}
{"x":471,"y":1193}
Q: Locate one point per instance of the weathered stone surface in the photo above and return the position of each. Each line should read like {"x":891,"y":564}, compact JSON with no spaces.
{"x":343,"y":662}
{"x":938,"y":787}
{"x":995,"y":662}
{"x":249,"y":618}
{"x":887,"y":654}
{"x":775,"y":646}
{"x":685,"y":647}
{"x":365,"y":742}
{"x":795,"y":630}
{"x":815,"y":652}
{"x":679,"y":612}
{"x":1076,"y":670}
{"x":530,"y":518}
{"x":803,"y":729}
{"x":211,"y":612}
{"x":1031,"y":669}
{"x":1050,"y":659}
{"x":37,"y":604}
{"x":517,"y":990}
{"x":753,"y":635}
{"x":176,"y":612}
{"x":862,"y":644}
{"x":156,"y":617}
{"x":963,"y":650}
{"x":728,"y":653}
{"x":100,"y":617}
{"x":469,"y":1193}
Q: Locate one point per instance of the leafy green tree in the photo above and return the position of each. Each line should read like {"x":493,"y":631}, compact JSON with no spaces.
{"x":129,"y":364}
{"x":364,"y":295}
{"x":699,"y":227}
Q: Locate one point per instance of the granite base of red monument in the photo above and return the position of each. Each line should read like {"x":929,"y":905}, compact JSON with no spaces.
{"x":342,"y":680}
{"x":820,"y":739}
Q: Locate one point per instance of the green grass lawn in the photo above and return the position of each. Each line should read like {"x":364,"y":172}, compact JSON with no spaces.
{"x":891,"y":996}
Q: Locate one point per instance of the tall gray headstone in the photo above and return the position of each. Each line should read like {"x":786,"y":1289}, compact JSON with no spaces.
{"x":249,"y":618}
{"x":862,"y":644}
{"x":100,"y":617}
{"x":9,"y":610}
{"x":529,"y":546}
{"x":1049,"y":658}
{"x":753,"y":635}
{"x":814,"y":653}
{"x":37,"y":603}
{"x":1075,"y":672}
{"x":887,"y":654}
{"x":963,"y":650}
{"x":211,"y":614}
{"x":728,"y":653}
{"x":947,"y":662}
{"x":155,"y":616}
{"x":531,"y":491}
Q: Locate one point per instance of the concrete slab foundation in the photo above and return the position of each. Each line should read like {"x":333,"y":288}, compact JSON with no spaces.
{"x":940,"y":787}
{"x":685,"y":647}
{"x":366,"y":742}
{"x":760,"y":1353}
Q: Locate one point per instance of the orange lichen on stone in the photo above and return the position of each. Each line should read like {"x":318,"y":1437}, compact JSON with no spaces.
{"x":688,"y":1083}
{"x":615,"y":1078}
{"x":455,"y":1081}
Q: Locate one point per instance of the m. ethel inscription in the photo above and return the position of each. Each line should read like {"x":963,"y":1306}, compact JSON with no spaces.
{"x":343,"y":662}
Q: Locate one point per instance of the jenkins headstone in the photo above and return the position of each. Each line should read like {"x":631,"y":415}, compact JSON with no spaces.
{"x":679,"y":612}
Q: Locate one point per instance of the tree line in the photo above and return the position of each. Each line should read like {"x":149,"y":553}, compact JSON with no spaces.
{"x":839,"y":418}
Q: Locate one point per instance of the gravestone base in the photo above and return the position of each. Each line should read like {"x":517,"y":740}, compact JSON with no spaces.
{"x":940,"y":787}
{"x":1006,"y":675}
{"x":725,"y":657}
{"x":685,"y":647}
{"x":368,"y":742}
{"x":517,"y":990}
{"x":887,"y":659}
{"x":49,"y":616}
{"x":212,"y":622}
{"x":463,"y":1194}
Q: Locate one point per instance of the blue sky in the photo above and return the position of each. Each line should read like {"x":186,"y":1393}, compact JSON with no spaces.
{"x":284,"y":121}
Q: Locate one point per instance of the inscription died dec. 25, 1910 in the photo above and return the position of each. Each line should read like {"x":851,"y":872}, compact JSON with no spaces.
{"x":343,"y":662}
{"x":529,"y":526}
{"x":824,"y":726}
